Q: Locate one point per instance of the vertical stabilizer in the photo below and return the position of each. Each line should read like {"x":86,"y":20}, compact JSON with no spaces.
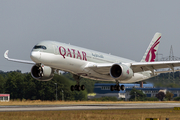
{"x":151,"y":51}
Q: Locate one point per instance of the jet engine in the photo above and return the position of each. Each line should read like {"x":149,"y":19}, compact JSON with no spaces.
{"x":121,"y":72}
{"x":42,"y":73}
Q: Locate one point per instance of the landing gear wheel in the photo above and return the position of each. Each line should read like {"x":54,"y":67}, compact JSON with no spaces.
{"x":78,"y":88}
{"x":72,"y":88}
{"x":82,"y":87}
{"x":118,"y":88}
{"x":75,"y":87}
{"x":112,"y":88}
{"x":115,"y":87}
{"x":122,"y":87}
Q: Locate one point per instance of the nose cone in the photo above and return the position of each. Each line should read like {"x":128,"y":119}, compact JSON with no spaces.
{"x":35,"y":56}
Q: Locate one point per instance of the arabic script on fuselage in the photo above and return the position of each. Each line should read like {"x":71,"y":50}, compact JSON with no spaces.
{"x":97,"y":55}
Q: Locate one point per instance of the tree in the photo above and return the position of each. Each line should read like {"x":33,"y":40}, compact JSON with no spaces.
{"x":31,"y":90}
{"x":15,"y":85}
{"x":152,"y":99}
{"x":2,"y":84}
{"x":177,"y":98}
{"x":137,"y":95}
{"x":160,"y":95}
{"x":23,"y":86}
{"x":169,"y":95}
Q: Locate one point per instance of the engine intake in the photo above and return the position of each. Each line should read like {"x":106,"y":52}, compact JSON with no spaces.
{"x":42,"y":73}
{"x":121,"y":72}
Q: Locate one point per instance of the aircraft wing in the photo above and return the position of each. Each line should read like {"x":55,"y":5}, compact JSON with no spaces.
{"x":104,"y":68}
{"x":145,"y":66}
{"x":16,"y":60}
{"x":101,"y":68}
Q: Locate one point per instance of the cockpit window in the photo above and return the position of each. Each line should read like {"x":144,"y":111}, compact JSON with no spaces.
{"x":40,"y":47}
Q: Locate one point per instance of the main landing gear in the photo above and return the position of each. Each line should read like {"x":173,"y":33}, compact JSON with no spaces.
{"x":77,"y":86}
{"x":117,"y":87}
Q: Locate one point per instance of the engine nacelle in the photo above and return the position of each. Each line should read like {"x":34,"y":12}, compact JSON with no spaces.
{"x":121,"y":72}
{"x":42,"y":73}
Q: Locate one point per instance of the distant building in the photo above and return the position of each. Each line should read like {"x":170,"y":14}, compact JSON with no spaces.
{"x":103,"y":89}
{"x":4,"y":97}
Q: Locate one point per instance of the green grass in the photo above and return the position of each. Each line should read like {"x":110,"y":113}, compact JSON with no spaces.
{"x":123,"y":114}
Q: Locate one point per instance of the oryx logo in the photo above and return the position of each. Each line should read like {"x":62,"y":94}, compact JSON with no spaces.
{"x":150,"y":57}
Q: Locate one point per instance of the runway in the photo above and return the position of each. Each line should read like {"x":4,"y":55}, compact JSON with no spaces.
{"x":88,"y":107}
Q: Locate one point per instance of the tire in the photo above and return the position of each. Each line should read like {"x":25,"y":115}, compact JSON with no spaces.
{"x":75,"y":88}
{"x":72,"y":88}
{"x":82,"y":87}
{"x":78,"y":88}
{"x":112,"y":88}
{"x":118,"y":88}
{"x":122,"y":87}
{"x":115,"y":87}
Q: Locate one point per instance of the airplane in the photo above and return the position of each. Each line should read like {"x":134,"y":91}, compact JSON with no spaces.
{"x":49,"y":57}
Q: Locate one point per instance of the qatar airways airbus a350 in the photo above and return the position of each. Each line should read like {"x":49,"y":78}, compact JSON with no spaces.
{"x":50,"y":56}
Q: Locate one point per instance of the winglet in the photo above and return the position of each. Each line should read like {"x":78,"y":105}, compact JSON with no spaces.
{"x":6,"y":54}
{"x":16,"y":60}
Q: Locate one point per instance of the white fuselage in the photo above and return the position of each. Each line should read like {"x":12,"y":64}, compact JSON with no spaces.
{"x":65,"y":57}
